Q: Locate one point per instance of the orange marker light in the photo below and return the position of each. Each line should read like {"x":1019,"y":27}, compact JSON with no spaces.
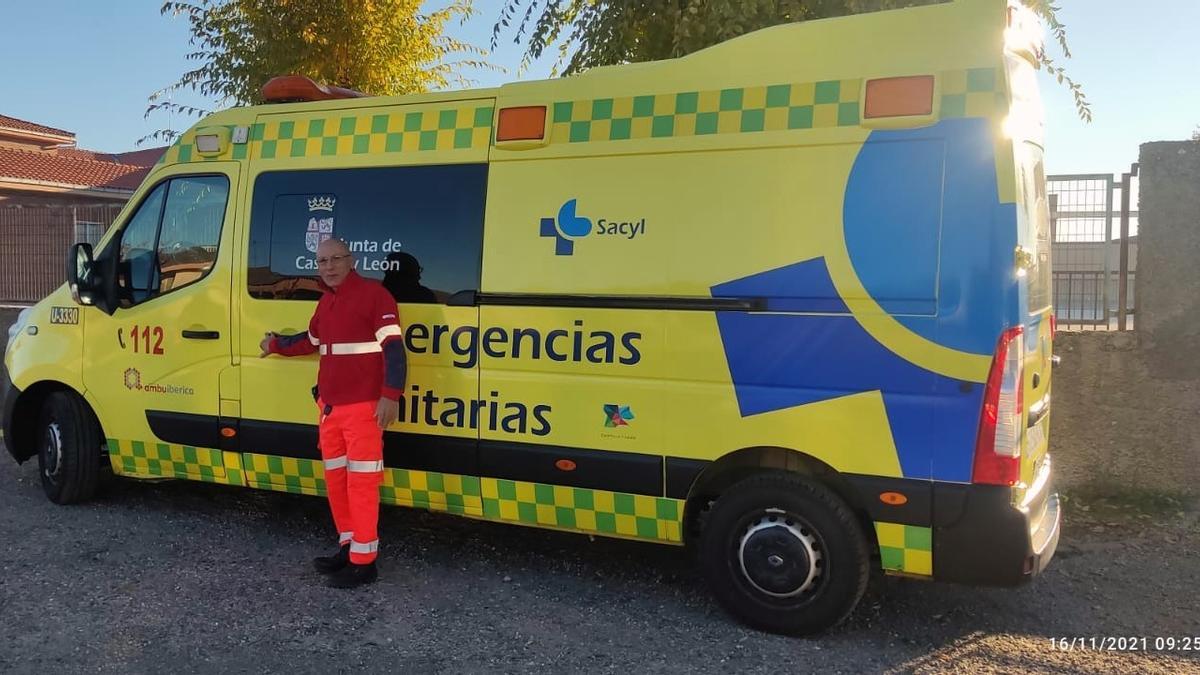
{"x":899,"y":97}
{"x":228,"y":432}
{"x":893,"y":498}
{"x":565,"y":465}
{"x":526,"y":123}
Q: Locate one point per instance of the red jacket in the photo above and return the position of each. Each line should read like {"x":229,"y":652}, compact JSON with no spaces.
{"x":357,"y":332}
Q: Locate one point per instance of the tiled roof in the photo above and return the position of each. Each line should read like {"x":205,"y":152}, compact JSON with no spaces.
{"x":136,"y":158}
{"x":73,"y":169}
{"x":76,"y":153}
{"x":21,"y":125}
{"x":147,"y":157}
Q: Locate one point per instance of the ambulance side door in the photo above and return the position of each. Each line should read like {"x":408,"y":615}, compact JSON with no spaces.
{"x":153,"y":366}
{"x":418,"y":231}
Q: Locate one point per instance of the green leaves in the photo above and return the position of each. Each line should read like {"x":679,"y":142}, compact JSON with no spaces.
{"x":374,"y":46}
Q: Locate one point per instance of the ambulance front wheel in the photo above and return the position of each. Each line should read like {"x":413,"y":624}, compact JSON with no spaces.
{"x":68,"y":449}
{"x":784,"y":554}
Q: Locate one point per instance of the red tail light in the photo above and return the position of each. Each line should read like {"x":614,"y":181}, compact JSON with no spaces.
{"x":1053,"y":325}
{"x":998,"y":448}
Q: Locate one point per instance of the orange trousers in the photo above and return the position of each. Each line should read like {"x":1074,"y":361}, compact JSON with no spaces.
{"x":352,"y":449}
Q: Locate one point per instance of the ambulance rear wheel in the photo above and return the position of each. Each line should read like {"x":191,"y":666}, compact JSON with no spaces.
{"x":784,"y":554}
{"x":68,"y":449}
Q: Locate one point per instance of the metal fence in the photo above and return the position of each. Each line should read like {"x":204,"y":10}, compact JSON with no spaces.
{"x":1094,"y":251}
{"x":35,"y":245}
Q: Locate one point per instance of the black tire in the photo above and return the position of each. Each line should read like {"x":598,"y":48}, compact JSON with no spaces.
{"x":807,"y":561}
{"x":68,"y":449}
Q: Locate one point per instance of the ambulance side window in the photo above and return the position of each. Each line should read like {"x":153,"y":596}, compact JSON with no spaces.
{"x":136,"y":277}
{"x":416,"y":229}
{"x":191,"y":229}
{"x":171,"y":241}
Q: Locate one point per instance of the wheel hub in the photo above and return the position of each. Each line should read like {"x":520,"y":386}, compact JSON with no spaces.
{"x":52,"y":452}
{"x":779,"y":555}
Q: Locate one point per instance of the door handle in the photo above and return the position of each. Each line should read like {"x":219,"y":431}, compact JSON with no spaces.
{"x":201,"y":334}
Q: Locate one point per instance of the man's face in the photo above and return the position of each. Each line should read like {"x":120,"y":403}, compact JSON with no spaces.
{"x":334,"y":262}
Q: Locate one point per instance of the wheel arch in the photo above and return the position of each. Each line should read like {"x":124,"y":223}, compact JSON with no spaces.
{"x":21,"y":434}
{"x":741,"y":464}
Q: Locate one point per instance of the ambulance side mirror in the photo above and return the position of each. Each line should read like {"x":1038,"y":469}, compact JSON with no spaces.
{"x":80,"y":266}
{"x":87,"y":279}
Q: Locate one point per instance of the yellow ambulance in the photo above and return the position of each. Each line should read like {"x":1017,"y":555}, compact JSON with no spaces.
{"x":785,"y":300}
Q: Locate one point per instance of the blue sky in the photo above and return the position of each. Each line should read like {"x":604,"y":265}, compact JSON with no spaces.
{"x":88,"y":67}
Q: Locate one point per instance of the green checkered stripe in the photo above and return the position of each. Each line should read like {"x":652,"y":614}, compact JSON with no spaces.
{"x":369,"y":133}
{"x":972,"y":93}
{"x":905,"y":548}
{"x":285,"y":474}
{"x":462,"y":128}
{"x":401,"y":487}
{"x":166,"y":460}
{"x":609,"y":513}
{"x":602,"y":512}
{"x":447,"y":492}
{"x":780,"y":107}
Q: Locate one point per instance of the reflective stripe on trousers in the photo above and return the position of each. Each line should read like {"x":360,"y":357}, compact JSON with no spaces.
{"x":352,"y":440}
{"x":365,"y":467}
{"x":369,"y":547}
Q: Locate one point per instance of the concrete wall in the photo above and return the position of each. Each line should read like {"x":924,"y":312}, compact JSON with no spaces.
{"x":1126,"y":411}
{"x":1168,"y":281}
{"x":1116,"y":424}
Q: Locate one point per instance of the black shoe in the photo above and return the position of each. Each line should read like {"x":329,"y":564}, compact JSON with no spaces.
{"x":328,"y":564}
{"x":353,"y":575}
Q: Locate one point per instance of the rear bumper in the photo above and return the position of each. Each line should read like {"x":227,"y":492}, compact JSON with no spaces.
{"x":982,"y":536}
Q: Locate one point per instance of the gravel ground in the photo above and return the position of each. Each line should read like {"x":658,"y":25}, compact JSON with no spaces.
{"x":184,"y":577}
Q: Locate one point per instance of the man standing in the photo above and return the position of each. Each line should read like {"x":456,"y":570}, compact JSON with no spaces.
{"x":359,"y":384}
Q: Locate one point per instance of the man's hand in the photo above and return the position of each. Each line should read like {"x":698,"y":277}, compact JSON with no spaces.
{"x":387,"y":412}
{"x":265,"y":345}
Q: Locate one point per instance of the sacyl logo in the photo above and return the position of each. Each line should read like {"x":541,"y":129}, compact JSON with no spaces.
{"x":569,"y":227}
